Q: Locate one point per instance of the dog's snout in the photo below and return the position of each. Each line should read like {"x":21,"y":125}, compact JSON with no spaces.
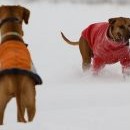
{"x":119,"y":34}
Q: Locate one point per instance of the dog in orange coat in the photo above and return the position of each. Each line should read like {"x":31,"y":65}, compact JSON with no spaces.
{"x":17,"y":74}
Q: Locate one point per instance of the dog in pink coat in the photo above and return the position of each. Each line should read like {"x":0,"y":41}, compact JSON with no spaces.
{"x":105,"y":43}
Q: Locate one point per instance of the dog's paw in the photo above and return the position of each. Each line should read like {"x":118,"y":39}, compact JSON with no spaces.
{"x":96,"y":72}
{"x":85,"y":67}
{"x":126,"y":71}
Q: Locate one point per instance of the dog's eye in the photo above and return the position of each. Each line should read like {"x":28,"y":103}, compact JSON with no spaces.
{"x":122,"y":27}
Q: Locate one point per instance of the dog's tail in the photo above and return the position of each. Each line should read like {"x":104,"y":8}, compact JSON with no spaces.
{"x":68,"y":41}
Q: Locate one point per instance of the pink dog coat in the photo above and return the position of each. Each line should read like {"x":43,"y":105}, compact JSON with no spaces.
{"x":105,"y":50}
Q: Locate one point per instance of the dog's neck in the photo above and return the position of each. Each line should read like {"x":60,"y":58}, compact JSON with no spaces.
{"x":12,"y":35}
{"x":11,"y":30}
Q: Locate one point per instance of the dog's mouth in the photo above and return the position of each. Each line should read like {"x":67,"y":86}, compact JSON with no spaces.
{"x":122,"y":39}
{"x":119,"y":37}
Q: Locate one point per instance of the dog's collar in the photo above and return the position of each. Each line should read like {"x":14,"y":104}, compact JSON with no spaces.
{"x":11,"y":34}
{"x":10,"y":19}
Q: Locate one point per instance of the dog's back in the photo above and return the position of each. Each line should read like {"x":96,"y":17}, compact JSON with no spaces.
{"x":14,"y":54}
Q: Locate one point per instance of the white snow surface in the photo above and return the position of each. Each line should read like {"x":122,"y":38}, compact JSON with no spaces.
{"x":70,"y":99}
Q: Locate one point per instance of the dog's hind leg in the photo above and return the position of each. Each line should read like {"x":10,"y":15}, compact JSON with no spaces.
{"x":4,"y":99}
{"x":31,"y":108}
{"x":21,"y":111}
{"x":5,"y":96}
{"x":28,"y":97}
{"x":86,"y":54}
{"x":20,"y":104}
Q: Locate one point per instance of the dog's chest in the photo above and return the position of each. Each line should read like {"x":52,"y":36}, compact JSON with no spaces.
{"x":110,"y":53}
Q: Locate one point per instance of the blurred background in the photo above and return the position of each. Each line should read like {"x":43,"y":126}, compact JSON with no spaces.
{"x":79,"y":1}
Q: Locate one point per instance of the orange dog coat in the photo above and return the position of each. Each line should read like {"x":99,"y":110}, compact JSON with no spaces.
{"x":15,"y":58}
{"x":14,"y":54}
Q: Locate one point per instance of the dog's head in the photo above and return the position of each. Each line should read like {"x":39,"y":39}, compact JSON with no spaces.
{"x":19,"y":12}
{"x":119,"y":29}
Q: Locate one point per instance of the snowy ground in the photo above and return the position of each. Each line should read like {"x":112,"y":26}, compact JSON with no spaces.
{"x":70,"y":99}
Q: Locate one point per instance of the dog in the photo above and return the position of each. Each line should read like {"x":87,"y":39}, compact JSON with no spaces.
{"x":17,"y":75}
{"x":105,"y":43}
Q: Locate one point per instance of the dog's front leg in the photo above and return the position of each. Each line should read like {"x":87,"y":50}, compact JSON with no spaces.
{"x":98,"y":64}
{"x":125,"y":62}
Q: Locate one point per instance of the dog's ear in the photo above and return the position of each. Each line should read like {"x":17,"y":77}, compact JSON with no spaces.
{"x":26,"y":15}
{"x":1,"y":11}
{"x":112,"y":20}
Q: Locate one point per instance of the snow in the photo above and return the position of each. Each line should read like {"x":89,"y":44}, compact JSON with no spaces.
{"x":70,"y":99}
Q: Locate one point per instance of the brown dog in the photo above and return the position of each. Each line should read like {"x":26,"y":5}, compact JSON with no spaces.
{"x":17,"y":77}
{"x":105,"y":43}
